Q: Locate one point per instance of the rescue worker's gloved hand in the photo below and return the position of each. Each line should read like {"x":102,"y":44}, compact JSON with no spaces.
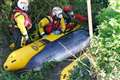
{"x":42,"y":33}
{"x":25,"y":35}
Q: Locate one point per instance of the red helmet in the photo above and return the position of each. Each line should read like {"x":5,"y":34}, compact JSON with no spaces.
{"x":68,"y":8}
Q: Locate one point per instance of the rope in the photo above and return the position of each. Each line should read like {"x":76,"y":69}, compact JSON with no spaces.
{"x":69,"y":51}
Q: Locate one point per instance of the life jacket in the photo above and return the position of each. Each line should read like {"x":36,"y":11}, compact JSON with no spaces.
{"x":53,"y":25}
{"x":27,"y":22}
{"x":56,"y":23}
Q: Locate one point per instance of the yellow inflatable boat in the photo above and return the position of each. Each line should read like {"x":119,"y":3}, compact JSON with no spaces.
{"x":50,"y":48}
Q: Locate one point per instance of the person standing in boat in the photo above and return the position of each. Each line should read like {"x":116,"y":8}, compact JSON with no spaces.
{"x":22,"y":23}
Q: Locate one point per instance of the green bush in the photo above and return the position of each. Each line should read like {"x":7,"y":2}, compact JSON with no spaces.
{"x":106,"y":45}
{"x":5,"y":14}
{"x":82,"y":70}
{"x":41,"y":8}
{"x":46,"y":70}
{"x":5,"y":21}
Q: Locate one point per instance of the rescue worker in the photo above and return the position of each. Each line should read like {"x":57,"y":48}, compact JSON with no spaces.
{"x":70,"y":15}
{"x":22,"y":23}
{"x":61,"y":20}
{"x":72,"y":19}
{"x":53,"y":23}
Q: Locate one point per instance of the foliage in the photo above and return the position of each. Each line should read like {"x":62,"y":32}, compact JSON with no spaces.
{"x":106,"y":45}
{"x":41,"y":8}
{"x":115,"y":4}
{"x":97,"y":5}
{"x":5,"y":21}
{"x":80,"y":6}
{"x":82,"y":71}
{"x":6,"y":75}
{"x":5,"y":13}
{"x":29,"y":75}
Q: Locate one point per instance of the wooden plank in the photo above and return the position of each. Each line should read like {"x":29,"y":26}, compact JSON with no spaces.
{"x":90,"y":18}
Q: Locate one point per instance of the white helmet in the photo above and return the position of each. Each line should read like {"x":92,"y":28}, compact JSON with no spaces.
{"x":23,"y":5}
{"x":57,"y":11}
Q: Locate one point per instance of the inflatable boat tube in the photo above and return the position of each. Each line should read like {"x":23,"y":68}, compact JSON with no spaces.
{"x":61,"y":49}
{"x":50,"y":48}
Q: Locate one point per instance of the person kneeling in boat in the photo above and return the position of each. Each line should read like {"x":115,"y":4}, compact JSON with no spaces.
{"x":22,"y":23}
{"x":54,"y":23}
{"x":72,"y":19}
